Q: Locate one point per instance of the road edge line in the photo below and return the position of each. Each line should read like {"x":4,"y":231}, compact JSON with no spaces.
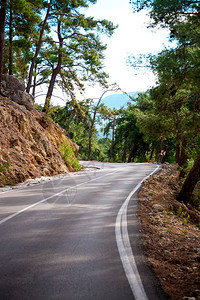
{"x":124,"y":246}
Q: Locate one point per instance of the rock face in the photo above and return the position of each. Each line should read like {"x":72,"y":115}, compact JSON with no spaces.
{"x":13,"y":83}
{"x":158,"y":208}
{"x":29,"y":142}
{"x":14,"y":89}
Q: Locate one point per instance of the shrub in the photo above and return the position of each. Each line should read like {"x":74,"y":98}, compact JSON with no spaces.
{"x":5,"y":166}
{"x":67,"y":153}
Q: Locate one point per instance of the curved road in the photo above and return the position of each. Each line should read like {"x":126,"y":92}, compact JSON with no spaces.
{"x":76,"y":237}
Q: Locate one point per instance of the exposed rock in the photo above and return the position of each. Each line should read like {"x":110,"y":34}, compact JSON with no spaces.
{"x":158,"y":208}
{"x":14,"y":89}
{"x":13,"y":83}
{"x":29,"y":142}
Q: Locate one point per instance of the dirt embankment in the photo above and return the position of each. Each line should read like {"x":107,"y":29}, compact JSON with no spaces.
{"x":29,"y":143}
{"x":171,"y":235}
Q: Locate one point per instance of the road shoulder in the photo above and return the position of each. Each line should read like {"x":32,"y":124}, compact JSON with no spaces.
{"x":171,"y":241}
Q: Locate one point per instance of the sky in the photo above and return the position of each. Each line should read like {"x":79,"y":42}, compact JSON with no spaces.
{"x":132,"y":37}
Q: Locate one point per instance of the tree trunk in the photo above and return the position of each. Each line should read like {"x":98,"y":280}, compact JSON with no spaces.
{"x":124,"y":151}
{"x":182,"y":157}
{"x":55,"y":72}
{"x":177,"y":151}
{"x":130,"y":153}
{"x":182,"y":162}
{"x":162,"y":148}
{"x":152,"y":151}
{"x":92,"y":125}
{"x":2,"y":35}
{"x":70,"y":120}
{"x":190,"y":183}
{"x":50,"y":89}
{"x":90,"y":144}
{"x":37,"y":50}
{"x":10,"y":67}
{"x":113,"y":139}
{"x":34,"y":83}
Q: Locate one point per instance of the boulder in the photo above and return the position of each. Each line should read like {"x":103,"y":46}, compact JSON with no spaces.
{"x":158,"y":208}
{"x":27,"y":100}
{"x":14,"y":89}
{"x":13,"y":83}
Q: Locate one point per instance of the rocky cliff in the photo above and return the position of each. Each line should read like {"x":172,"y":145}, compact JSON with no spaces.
{"x":29,"y":144}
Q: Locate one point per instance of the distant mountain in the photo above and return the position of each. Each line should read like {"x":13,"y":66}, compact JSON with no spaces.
{"x":118,"y":100}
{"x":115,"y":101}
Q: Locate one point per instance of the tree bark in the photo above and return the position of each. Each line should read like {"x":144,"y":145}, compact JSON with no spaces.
{"x":70,"y":120}
{"x":113,"y":139}
{"x":130,"y":153}
{"x":55,"y":71}
{"x":162,"y":148}
{"x":124,"y":151}
{"x":177,"y":151}
{"x":190,"y":183}
{"x":37,"y":50}
{"x":152,"y":151}
{"x":10,"y":67}
{"x":3,"y":10}
{"x":34,"y":83}
{"x":182,"y":157}
{"x":90,"y":144}
{"x":92,"y":125}
{"x":182,"y":161}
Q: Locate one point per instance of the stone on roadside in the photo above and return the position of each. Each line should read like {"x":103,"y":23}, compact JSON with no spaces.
{"x":158,"y":208}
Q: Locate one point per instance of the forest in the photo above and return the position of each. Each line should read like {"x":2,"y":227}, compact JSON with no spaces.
{"x":54,"y":43}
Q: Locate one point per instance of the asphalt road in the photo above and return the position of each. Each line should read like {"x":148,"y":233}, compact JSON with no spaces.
{"x":76,"y":237}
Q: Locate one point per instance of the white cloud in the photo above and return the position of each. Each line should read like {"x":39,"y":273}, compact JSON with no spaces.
{"x":131,"y":37}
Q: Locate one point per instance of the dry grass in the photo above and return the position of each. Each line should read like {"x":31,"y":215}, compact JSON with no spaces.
{"x":171,"y":238}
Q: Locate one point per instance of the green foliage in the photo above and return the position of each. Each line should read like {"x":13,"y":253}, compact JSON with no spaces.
{"x":23,"y":19}
{"x":195,"y":199}
{"x":175,"y":111}
{"x":68,"y":60}
{"x":77,"y":123}
{"x":183,"y":215}
{"x":167,"y":12}
{"x":5,"y":166}
{"x":169,"y":230}
{"x":4,"y":179}
{"x":68,"y":156}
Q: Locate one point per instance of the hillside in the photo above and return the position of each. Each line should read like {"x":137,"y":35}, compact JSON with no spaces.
{"x":29,"y":144}
{"x":118,"y":100}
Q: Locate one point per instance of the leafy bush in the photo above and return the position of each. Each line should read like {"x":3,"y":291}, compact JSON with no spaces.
{"x":4,"y":180}
{"x":68,"y":156}
{"x":5,"y":166}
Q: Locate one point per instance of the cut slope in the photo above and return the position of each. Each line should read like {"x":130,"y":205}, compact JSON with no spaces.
{"x":29,"y":143}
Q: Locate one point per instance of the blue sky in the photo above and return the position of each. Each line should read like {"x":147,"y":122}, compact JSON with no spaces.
{"x":131,"y":37}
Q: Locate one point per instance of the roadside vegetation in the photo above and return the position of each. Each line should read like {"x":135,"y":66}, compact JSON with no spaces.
{"x":171,"y":234}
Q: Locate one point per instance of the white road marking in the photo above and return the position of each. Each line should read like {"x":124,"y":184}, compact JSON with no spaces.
{"x":54,"y":195}
{"x":125,"y":250}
